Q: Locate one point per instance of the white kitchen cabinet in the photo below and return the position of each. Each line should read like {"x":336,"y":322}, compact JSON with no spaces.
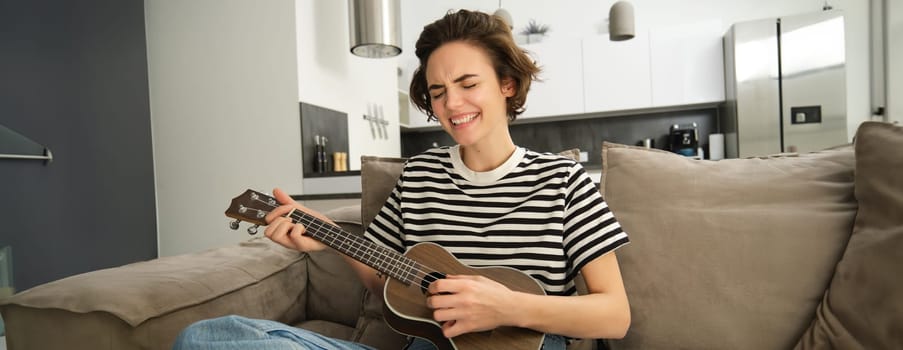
{"x":664,"y":67}
{"x":687,"y":64}
{"x":616,"y":74}
{"x":559,"y":91}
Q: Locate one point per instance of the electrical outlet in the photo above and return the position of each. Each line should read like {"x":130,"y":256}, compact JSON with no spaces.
{"x":805,"y":115}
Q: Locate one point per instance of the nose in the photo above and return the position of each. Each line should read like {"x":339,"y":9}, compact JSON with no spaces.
{"x":452,"y":98}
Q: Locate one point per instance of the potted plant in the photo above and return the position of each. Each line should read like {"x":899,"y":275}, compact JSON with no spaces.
{"x":534,"y":31}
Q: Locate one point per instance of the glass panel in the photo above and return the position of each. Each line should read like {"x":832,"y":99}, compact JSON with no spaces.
{"x":16,"y":146}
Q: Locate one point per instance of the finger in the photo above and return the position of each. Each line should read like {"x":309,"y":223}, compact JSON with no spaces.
{"x":296,"y":235}
{"x":453,"y":329}
{"x":274,"y":225}
{"x":439,"y":286}
{"x":438,"y":301}
{"x":271,"y":227}
{"x":288,"y":204}
{"x":290,"y":230}
{"x":282,"y":197}
{"x":445,"y":315}
{"x":278,"y":230}
{"x":433,"y":287}
{"x":464,"y":277}
{"x":279,"y":211}
{"x":459,"y":282}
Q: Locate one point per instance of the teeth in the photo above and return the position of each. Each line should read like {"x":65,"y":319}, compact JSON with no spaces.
{"x":460,"y":121}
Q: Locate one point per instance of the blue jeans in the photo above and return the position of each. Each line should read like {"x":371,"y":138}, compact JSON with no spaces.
{"x":236,"y":332}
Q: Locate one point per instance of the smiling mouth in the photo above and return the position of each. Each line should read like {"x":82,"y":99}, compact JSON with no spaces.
{"x":464,"y":120}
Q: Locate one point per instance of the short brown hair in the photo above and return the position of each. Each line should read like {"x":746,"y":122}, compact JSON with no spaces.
{"x":487,"y":32}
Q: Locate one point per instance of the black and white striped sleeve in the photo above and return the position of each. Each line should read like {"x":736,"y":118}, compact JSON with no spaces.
{"x":386,"y":228}
{"x":590,"y":229}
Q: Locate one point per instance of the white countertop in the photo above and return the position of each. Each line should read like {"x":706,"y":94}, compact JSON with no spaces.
{"x":332,"y":184}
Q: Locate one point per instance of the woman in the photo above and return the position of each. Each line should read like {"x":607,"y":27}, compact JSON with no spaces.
{"x":487,"y":201}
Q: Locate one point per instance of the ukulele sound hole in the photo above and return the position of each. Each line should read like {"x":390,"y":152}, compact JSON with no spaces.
{"x":430,"y":278}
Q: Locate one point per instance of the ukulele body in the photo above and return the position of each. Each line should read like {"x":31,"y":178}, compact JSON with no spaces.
{"x":405,"y":307}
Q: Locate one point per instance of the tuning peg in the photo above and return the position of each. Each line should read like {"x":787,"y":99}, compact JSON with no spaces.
{"x":234,"y":224}
{"x":253,"y":230}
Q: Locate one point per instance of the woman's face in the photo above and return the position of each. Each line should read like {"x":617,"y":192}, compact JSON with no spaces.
{"x":465,"y":93}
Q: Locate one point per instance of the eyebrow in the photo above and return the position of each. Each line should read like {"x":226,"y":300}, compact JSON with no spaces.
{"x":460,"y":79}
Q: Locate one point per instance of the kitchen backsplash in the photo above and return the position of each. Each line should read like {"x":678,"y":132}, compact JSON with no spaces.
{"x":587,"y":134}
{"x":318,"y":123}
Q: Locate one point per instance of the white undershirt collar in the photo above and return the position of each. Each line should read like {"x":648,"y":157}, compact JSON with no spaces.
{"x":484,"y":177}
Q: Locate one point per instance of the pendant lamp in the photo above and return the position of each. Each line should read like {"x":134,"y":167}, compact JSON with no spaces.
{"x":620,"y":21}
{"x":504,"y":15}
{"x":375,"y":28}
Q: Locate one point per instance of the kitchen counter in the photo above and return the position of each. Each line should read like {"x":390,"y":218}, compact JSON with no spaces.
{"x":324,"y":196}
{"x":348,"y":185}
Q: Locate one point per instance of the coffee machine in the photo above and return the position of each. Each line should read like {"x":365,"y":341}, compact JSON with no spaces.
{"x":684,"y":139}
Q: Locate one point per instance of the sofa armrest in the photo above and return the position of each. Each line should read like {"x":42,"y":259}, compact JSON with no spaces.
{"x":146,"y":304}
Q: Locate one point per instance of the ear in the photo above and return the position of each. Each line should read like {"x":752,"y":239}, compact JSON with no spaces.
{"x":508,"y":87}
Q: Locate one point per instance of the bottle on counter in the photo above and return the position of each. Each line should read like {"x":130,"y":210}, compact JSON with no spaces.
{"x":318,"y":163}
{"x":324,"y":162}
{"x":337,"y":161}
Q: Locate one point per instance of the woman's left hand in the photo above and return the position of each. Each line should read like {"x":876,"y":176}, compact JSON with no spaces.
{"x":470,"y":303}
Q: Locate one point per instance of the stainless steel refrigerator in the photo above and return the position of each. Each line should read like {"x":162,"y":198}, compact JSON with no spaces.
{"x":785,"y":85}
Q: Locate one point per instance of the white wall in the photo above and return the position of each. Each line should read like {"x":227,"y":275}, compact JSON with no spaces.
{"x":584,"y":18}
{"x":894,"y":72}
{"x":224,"y":112}
{"x":330,"y":76}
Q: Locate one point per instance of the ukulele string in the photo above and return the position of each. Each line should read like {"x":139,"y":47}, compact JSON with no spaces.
{"x":412,"y":267}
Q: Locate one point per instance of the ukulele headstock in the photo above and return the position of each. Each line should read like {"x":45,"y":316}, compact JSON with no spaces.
{"x":251,"y":206}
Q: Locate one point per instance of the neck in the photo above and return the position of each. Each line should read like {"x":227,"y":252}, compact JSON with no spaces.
{"x":488,"y":155}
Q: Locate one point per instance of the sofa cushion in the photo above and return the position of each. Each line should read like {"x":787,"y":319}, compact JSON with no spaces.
{"x":131,"y":302}
{"x":863,"y":307}
{"x":730,"y":254}
{"x":150,"y":289}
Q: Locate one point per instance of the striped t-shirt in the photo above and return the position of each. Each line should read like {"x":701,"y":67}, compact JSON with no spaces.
{"x":539,"y":213}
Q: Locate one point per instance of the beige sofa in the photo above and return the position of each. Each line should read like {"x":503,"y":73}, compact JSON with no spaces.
{"x":767,"y":253}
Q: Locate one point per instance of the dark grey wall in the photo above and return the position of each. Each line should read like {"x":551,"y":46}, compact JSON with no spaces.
{"x":73,"y":76}
{"x":586,"y":134}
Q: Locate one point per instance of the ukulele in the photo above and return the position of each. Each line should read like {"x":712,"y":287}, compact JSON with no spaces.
{"x":405,"y":292}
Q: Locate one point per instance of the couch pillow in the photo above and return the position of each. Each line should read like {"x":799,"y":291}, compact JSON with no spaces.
{"x":730,"y":254}
{"x":863,"y":308}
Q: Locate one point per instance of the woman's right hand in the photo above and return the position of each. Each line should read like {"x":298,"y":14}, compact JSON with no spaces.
{"x":281,"y":230}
